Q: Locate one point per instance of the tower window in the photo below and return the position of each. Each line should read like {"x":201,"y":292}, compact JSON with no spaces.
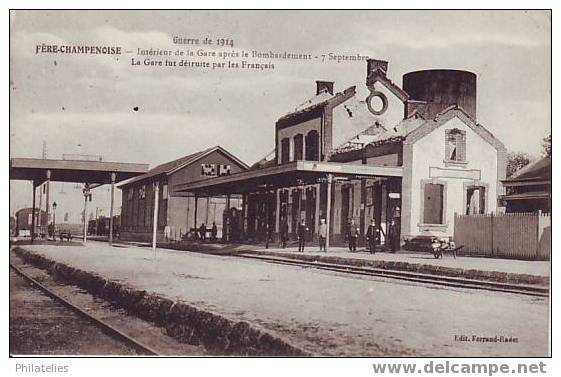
{"x":455,"y":145}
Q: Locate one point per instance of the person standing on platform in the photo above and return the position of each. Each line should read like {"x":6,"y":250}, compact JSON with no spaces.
{"x":352,"y":235}
{"x":302,"y":231}
{"x":167,"y":233}
{"x":202,"y":232}
{"x":51,"y":230}
{"x":268,"y":235}
{"x":372,"y":236}
{"x":322,"y":234}
{"x":283,"y":233}
{"x":214,"y":231}
{"x":393,"y":235}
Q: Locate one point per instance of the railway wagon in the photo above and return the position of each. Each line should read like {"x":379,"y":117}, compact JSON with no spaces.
{"x":100,"y":226}
{"x":24,"y":222}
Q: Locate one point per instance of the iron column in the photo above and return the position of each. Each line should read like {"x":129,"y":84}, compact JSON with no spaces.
{"x":111,"y":209}
{"x":48,"y":183}
{"x":328,"y":210}
{"x":195,"y":221}
{"x":86,"y":191}
{"x":33,"y":214}
{"x":38,"y":223}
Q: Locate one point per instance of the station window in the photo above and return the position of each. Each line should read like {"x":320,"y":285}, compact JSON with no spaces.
{"x":475,"y":201}
{"x":455,"y":145}
{"x":312,"y":146}
{"x":285,"y":150}
{"x":298,"y":147}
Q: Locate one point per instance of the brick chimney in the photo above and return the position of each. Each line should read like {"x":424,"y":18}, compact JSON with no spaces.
{"x":373,"y":65}
{"x":324,"y":86}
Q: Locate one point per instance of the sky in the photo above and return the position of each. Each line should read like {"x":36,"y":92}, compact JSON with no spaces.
{"x":85,"y":104}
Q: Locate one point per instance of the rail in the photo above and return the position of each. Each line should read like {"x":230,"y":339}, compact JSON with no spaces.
{"x":104,"y":326}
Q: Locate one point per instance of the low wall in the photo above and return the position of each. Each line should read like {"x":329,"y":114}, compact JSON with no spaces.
{"x":141,"y":236}
{"x":186,"y":323}
{"x":495,"y":276}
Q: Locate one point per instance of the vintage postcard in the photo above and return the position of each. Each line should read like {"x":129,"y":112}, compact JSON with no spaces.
{"x":281,"y":183}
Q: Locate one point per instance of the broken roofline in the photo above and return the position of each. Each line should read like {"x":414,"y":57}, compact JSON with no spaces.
{"x":421,"y":131}
{"x":293,"y":117}
{"x":296,"y":167}
{"x":447,"y":114}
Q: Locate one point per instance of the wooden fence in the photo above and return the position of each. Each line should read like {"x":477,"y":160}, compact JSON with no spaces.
{"x":512,"y":235}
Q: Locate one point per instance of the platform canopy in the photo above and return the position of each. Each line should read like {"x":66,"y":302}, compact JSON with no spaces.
{"x":286,"y":175}
{"x":92,"y":172}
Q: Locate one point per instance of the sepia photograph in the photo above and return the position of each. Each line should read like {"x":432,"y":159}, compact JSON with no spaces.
{"x":280,"y":183}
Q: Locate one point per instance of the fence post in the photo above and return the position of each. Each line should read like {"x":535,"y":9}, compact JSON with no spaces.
{"x":492,"y":236}
{"x":538,"y":235}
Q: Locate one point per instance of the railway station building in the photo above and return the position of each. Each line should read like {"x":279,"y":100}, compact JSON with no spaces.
{"x":413,"y":154}
{"x":529,"y":189}
{"x":179,"y":212}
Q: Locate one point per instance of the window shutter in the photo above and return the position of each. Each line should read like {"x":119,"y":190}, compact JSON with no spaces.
{"x":298,"y":147}
{"x":455,"y":148}
{"x":285,"y":150}
{"x":448,"y":144}
{"x":461,"y":146}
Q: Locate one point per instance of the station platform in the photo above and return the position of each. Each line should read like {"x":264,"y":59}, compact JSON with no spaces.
{"x":318,"y":312}
{"x":510,"y":266}
{"x":479,"y":268}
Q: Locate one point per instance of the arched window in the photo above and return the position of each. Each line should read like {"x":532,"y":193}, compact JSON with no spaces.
{"x":312,"y":146}
{"x":285,"y":150}
{"x":298,"y":147}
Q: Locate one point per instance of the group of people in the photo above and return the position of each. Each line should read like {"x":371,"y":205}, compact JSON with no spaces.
{"x":374,"y":235}
{"x":301,"y":231}
{"x":203,"y":231}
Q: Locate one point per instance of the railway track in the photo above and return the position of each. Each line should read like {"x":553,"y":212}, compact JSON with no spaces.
{"x":110,"y":330}
{"x":530,"y":290}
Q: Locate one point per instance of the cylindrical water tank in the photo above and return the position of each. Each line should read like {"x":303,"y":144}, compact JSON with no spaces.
{"x":442,"y":88}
